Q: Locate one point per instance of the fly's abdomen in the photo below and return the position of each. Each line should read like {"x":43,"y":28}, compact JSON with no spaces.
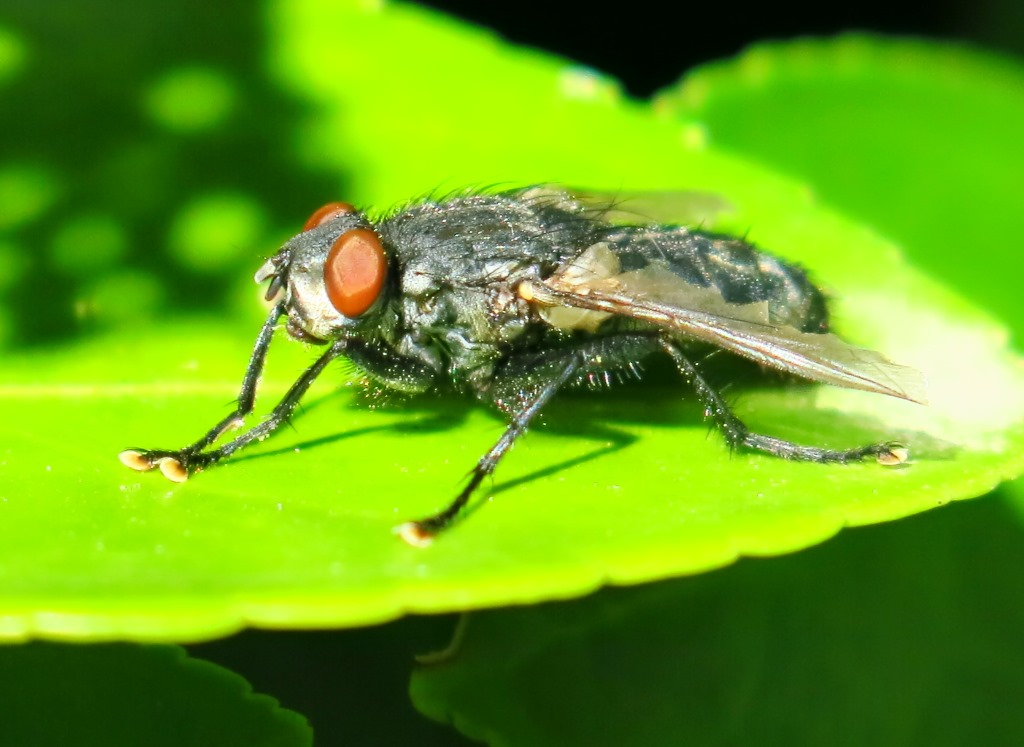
{"x":741,"y":273}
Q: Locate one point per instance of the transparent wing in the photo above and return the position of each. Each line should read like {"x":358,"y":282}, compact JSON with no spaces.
{"x":669,"y":207}
{"x":592,"y":289}
{"x":680,"y":208}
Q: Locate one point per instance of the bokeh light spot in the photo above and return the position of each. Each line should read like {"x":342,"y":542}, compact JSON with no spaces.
{"x":25,"y":192}
{"x":89,"y":242}
{"x":120,"y":298}
{"x":191,"y":99}
{"x":13,"y":54}
{"x":214,"y":231}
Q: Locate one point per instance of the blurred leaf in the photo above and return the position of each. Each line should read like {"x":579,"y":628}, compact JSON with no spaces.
{"x":904,"y":634}
{"x":126,"y":695}
{"x":919,"y":139}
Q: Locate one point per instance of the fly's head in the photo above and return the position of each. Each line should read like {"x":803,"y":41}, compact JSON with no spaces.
{"x":333,"y":274}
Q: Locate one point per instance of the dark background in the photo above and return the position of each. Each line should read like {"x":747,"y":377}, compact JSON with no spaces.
{"x":647,"y":44}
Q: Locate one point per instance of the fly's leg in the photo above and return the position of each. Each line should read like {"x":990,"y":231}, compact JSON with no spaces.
{"x":738,"y":434}
{"x":177,"y":464}
{"x":531,"y":379}
{"x":189,"y":462}
{"x":420,"y":533}
{"x":146,"y":459}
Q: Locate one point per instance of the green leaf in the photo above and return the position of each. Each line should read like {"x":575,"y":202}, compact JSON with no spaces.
{"x":122,"y":695}
{"x":891,"y":635}
{"x":622,"y":486}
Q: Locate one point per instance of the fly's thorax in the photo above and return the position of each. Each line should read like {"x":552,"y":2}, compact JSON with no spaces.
{"x":455,"y":313}
{"x":455,"y":328}
{"x":458,"y":264}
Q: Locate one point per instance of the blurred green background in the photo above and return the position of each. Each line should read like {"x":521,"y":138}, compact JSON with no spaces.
{"x":149,"y":151}
{"x":150,"y":156}
{"x":147,"y":163}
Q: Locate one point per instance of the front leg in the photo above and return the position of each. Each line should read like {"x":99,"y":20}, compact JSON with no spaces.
{"x":178,"y":464}
{"x":171,"y":461}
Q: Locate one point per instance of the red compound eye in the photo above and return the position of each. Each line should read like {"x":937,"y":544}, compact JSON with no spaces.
{"x":355,"y":271}
{"x":330,"y":211}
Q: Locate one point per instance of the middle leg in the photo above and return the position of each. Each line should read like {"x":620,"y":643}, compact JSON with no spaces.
{"x":737,"y":433}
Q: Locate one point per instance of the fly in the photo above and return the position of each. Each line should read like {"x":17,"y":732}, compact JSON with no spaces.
{"x":513,"y":295}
